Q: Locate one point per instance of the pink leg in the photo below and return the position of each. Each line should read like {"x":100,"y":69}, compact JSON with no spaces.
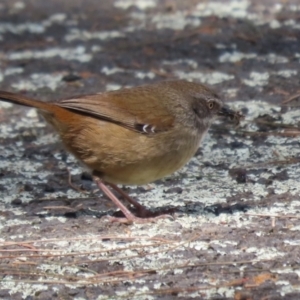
{"x":129,"y":217}
{"x":142,"y":211}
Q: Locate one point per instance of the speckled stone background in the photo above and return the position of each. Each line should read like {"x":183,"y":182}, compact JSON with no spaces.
{"x":235,"y":233}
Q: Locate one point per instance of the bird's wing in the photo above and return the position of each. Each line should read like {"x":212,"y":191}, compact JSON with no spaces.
{"x":138,"y":109}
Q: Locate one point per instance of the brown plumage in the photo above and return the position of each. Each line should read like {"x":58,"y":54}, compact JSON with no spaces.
{"x":135,"y":135}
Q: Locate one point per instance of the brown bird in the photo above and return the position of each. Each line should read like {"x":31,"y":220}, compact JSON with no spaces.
{"x":133,"y":136}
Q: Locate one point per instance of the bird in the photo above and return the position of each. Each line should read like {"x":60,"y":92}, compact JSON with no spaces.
{"x":133,"y":136}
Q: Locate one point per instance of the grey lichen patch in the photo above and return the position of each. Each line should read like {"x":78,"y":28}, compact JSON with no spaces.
{"x":78,"y":53}
{"x":9,"y":72}
{"x":140,"y":4}
{"x":83,"y":35}
{"x":190,"y":62}
{"x":268,"y":253}
{"x":112,"y":87}
{"x":236,"y":9}
{"x":236,"y":56}
{"x":210,"y":77}
{"x":175,"y":21}
{"x":257,"y":79}
{"x":137,"y":73}
{"x":26,"y":289}
{"x":37,"y":81}
{"x":30,"y":27}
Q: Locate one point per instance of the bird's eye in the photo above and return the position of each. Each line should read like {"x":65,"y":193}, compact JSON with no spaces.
{"x":211,"y":105}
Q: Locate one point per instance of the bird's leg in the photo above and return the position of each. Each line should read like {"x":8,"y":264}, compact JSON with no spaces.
{"x":129,"y":216}
{"x":141,"y":210}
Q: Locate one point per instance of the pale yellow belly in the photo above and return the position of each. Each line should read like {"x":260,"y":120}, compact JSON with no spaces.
{"x":145,"y":171}
{"x":122,"y":156}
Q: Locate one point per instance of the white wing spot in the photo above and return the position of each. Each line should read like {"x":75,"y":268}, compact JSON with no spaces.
{"x":145,"y":128}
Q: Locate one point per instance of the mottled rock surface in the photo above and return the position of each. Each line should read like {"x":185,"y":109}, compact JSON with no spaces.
{"x":235,"y":233}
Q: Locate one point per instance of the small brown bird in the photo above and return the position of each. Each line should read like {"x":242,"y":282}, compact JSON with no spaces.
{"x":134,"y":135}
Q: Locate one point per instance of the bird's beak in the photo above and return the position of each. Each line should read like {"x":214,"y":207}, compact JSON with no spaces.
{"x":233,"y":115}
{"x":225,"y":111}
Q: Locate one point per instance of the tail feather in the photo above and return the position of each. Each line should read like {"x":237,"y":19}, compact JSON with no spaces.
{"x":26,"y":101}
